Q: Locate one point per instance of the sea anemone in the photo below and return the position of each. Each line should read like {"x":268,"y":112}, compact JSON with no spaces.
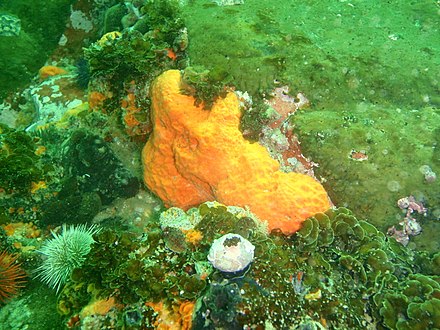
{"x":65,"y":252}
{"x":11,"y":276}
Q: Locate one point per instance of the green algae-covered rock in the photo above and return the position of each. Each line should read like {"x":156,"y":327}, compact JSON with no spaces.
{"x":371,"y":156}
{"x":32,"y":30}
{"x":35,"y":309}
{"x":333,"y":52}
{"x":19,"y":164}
{"x":19,"y":66}
{"x":10,"y":25}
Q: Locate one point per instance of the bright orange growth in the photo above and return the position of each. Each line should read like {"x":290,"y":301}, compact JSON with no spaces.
{"x":49,"y":71}
{"x":11,"y":276}
{"x":193,"y":236}
{"x":186,"y":310}
{"x":96,"y":99}
{"x":177,"y":317}
{"x":100,"y":307}
{"x":129,"y":105}
{"x":131,"y":111}
{"x":23,"y":229}
{"x":171,"y":54}
{"x":195,"y":155}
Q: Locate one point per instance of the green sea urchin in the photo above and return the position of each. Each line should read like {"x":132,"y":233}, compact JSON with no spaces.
{"x":65,"y":252}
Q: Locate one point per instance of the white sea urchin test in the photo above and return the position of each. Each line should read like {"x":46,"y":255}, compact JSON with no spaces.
{"x":231,"y":253}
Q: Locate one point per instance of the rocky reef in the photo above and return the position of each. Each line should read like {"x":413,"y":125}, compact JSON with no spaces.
{"x":231,"y":102}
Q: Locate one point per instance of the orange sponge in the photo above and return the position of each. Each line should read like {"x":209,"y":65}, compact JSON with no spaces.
{"x":49,"y":71}
{"x":195,"y":155}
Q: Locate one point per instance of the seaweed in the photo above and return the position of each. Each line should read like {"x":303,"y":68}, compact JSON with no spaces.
{"x":19,"y":164}
{"x":205,"y":85}
{"x":326,"y":267}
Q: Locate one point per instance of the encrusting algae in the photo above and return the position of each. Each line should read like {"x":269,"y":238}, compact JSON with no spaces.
{"x":195,"y":155}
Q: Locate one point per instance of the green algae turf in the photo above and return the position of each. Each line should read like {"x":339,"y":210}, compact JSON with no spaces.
{"x":35,"y":310}
{"x":335,"y":52}
{"x":42,"y":23}
{"x":397,"y":142}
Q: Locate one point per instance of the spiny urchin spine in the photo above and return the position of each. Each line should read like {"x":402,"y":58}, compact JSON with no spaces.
{"x":65,"y":252}
{"x":11,"y":276}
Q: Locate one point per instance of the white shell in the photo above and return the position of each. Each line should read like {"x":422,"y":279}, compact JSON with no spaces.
{"x":231,"y":253}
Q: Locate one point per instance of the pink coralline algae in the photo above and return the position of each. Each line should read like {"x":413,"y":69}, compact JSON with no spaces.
{"x":428,"y":173}
{"x":411,"y":205}
{"x":278,"y":136}
{"x":410,"y":226}
{"x":284,"y":104}
{"x":358,"y":156}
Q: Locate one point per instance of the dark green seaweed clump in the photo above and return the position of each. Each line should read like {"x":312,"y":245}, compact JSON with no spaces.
{"x":254,"y":119}
{"x":205,"y":85}
{"x":19,"y":165}
{"x":139,"y":54}
{"x":337,"y":266}
{"x":93,"y":176}
{"x":138,"y":269}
